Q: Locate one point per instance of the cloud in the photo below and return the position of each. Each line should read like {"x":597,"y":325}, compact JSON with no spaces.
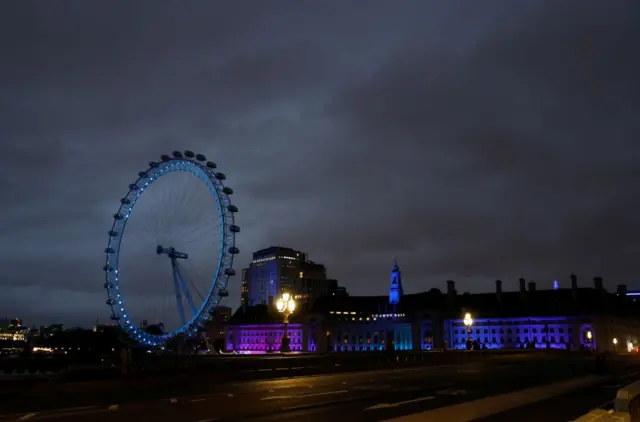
{"x":470,"y":141}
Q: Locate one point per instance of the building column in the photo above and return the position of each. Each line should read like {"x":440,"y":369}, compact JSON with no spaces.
{"x":305,"y":337}
{"x":575,"y":334}
{"x":441,"y":334}
{"x":417,"y":335}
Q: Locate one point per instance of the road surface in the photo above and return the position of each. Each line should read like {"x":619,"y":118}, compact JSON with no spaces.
{"x":371,"y":396}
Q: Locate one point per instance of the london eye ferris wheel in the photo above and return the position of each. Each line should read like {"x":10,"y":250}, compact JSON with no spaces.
{"x":168,"y":261}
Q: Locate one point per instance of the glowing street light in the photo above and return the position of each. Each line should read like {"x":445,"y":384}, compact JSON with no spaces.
{"x":468,"y":322}
{"x":285,"y":305}
{"x":589,"y":335}
{"x":615,"y":341}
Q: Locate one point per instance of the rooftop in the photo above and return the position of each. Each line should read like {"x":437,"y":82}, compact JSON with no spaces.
{"x":529,"y":303}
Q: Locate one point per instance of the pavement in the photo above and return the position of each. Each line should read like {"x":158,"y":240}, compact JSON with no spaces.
{"x":569,"y":406}
{"x":449,"y":392}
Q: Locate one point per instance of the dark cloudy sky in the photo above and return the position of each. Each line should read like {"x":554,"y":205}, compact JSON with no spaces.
{"x":473,"y":140}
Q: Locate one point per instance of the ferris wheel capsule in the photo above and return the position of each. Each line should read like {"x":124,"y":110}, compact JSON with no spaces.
{"x":196,"y":284}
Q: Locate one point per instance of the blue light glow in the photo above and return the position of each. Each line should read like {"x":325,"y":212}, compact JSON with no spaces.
{"x":225,"y":259}
{"x":395,"y":289}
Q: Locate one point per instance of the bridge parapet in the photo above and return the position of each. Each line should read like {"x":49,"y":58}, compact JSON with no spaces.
{"x":625,"y":407}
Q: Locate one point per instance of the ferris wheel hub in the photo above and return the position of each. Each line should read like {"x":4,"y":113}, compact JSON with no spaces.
{"x":171,"y":252}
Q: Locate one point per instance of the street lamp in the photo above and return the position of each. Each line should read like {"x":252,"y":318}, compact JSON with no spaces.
{"x":589,"y":335}
{"x":285,"y":305}
{"x":468,"y":322}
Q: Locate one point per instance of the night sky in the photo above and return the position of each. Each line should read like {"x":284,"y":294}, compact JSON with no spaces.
{"x":472,"y":140}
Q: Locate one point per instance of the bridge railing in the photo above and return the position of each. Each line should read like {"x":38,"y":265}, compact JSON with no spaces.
{"x":240,"y":367}
{"x":625,"y":407}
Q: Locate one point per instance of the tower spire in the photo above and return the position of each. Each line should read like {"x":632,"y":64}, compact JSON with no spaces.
{"x":395,"y":289}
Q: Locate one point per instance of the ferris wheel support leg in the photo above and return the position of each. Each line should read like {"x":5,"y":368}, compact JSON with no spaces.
{"x":176,"y":287}
{"x":185,"y":290}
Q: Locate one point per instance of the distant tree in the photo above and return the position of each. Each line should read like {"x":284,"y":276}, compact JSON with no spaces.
{"x":218,"y":344}
{"x":153,"y":329}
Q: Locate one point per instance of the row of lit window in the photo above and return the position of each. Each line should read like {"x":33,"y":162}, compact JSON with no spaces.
{"x":12,"y":336}
{"x":552,"y":339}
{"x":269,"y":333}
{"x":357,"y":319}
{"x":525,"y":330}
{"x":361,"y":340}
{"x":342,"y":313}
{"x":512,"y":322}
{"x":253,"y":340}
{"x":388,"y":315}
{"x":271,"y":258}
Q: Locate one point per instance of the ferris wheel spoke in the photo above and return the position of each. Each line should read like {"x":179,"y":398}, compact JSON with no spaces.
{"x":186,"y":234}
{"x":199,"y":236}
{"x":190,"y":278}
{"x":176,"y":286}
{"x":185,"y":289}
{"x":203,"y":225}
{"x":177,"y":211}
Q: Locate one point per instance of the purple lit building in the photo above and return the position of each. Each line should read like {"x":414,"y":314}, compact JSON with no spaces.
{"x":259,"y":329}
{"x":561,"y":318}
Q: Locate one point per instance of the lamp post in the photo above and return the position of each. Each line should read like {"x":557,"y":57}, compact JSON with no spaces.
{"x":285,"y":305}
{"x":615,"y":344}
{"x":468,"y":322}
{"x":589,"y":339}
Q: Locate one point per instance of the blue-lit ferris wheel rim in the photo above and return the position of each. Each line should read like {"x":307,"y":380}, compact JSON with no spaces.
{"x":194,"y":164}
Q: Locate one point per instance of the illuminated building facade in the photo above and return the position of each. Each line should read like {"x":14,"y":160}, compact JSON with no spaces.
{"x":276,"y":270}
{"x":395,"y":290}
{"x":559,"y":318}
{"x":267,"y":338}
{"x":14,"y":337}
{"x":512,"y":333}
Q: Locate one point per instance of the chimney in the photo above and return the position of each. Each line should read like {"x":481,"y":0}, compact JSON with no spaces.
{"x":523,"y":288}
{"x":574,"y":286}
{"x":499,"y":290}
{"x":451,"y":291}
{"x":451,"y":287}
{"x":532,"y":286}
{"x":597,"y":283}
{"x":622,"y":289}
